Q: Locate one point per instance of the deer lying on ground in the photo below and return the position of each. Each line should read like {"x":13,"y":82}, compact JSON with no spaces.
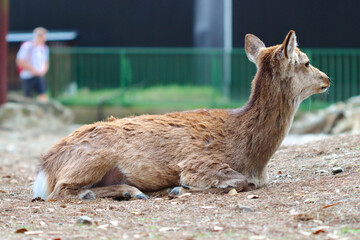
{"x":201,"y":149}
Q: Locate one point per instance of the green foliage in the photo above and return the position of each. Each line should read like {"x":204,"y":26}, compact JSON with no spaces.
{"x":172,"y":97}
{"x":175,"y":97}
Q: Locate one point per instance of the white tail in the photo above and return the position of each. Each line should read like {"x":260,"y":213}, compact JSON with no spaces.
{"x":41,"y":186}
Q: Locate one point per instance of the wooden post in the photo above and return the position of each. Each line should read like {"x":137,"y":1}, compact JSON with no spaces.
{"x":4,"y":13}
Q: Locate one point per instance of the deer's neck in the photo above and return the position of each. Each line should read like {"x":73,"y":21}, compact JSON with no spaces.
{"x":264,"y":122}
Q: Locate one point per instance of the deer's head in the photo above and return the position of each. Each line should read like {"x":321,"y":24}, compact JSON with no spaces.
{"x":285,"y":68}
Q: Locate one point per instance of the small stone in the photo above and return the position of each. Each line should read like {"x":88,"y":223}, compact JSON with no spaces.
{"x":243,"y":208}
{"x":310,"y":200}
{"x":84,"y":220}
{"x":114,"y":223}
{"x":14,"y":181}
{"x":337,"y":170}
{"x":11,"y":148}
{"x":232,"y":192}
{"x":321,"y":171}
{"x":87,"y":195}
{"x":217,"y":228}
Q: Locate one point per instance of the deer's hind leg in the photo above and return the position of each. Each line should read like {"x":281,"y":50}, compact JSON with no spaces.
{"x":117,"y":192}
{"x":98,"y":178}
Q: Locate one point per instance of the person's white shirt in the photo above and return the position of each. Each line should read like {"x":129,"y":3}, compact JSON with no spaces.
{"x":37,"y":56}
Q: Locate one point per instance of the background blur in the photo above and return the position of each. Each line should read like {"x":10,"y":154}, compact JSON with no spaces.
{"x":148,"y":56}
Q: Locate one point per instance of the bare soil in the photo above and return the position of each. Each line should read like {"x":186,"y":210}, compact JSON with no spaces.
{"x":303,"y":200}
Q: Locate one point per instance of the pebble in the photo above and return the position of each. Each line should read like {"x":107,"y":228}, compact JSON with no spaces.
{"x":84,"y":220}
{"x":11,"y":148}
{"x":243,"y":208}
{"x":14,"y":181}
{"x":321,"y":171}
{"x":310,"y":200}
{"x":232,"y":192}
{"x":337,"y":170}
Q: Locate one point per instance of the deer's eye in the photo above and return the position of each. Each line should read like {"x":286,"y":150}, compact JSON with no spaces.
{"x":307,"y":64}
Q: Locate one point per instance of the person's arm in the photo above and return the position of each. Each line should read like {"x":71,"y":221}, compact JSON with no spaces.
{"x":46,"y":64}
{"x":22,"y":63}
{"x":46,"y":68}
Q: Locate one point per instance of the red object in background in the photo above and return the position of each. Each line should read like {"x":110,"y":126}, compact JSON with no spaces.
{"x":4,"y":14}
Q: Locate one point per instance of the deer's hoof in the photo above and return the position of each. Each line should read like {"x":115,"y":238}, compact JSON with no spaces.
{"x":142,"y":196}
{"x":127,"y":196}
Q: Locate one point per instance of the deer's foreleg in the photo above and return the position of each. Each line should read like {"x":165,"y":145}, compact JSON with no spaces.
{"x":197,"y":174}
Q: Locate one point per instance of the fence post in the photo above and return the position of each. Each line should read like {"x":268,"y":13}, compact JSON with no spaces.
{"x":215,"y":77}
{"x":4,"y":11}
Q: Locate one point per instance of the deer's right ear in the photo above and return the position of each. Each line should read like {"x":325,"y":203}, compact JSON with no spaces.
{"x":252,"y":46}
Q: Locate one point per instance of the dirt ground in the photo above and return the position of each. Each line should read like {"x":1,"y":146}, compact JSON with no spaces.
{"x":303,"y":200}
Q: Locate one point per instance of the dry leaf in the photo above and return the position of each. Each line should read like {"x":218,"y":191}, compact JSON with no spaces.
{"x":21,"y":230}
{"x":136,"y":213}
{"x":252,"y":196}
{"x":63,"y":205}
{"x":142,"y":235}
{"x":303,"y":217}
{"x":166,"y":229}
{"x":318,"y":231}
{"x":332,"y":205}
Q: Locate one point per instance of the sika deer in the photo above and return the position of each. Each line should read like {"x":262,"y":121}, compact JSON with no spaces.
{"x":122,"y":158}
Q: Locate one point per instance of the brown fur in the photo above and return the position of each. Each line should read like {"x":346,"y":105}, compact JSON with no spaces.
{"x":202,"y":149}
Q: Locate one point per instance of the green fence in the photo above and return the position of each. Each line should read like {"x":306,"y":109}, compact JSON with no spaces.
{"x":108,"y":68}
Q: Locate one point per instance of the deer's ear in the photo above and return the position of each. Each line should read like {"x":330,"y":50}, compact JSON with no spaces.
{"x":252,"y":46}
{"x":290,"y":44}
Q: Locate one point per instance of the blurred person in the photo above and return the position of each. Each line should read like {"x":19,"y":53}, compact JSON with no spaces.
{"x":33,"y":63}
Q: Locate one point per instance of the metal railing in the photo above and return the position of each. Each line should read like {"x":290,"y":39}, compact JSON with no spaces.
{"x":108,"y":68}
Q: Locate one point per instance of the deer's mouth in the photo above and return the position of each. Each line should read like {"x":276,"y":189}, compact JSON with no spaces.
{"x":324,"y":88}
